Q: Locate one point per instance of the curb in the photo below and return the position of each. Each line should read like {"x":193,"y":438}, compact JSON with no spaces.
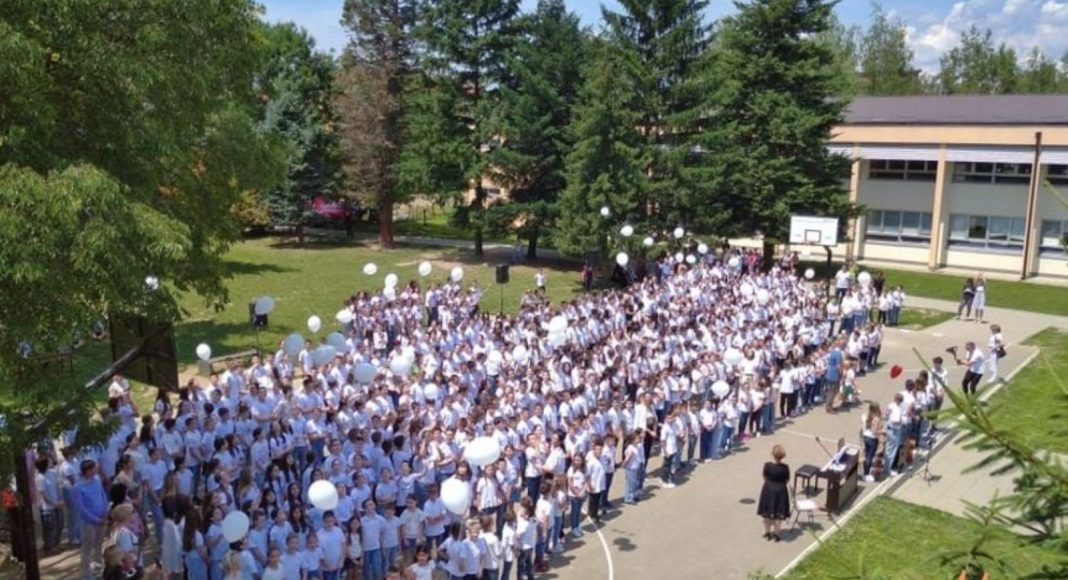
{"x":889,"y":486}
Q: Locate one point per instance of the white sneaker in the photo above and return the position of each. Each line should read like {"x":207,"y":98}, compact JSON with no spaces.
{"x":893,"y":473}
{"x":668,"y":485}
{"x":869,"y":478}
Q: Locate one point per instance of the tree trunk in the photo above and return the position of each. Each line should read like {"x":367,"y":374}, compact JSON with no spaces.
{"x":479,"y":204}
{"x":385,"y":223}
{"x":532,"y":247}
{"x":300,"y":234}
{"x":769,"y":255}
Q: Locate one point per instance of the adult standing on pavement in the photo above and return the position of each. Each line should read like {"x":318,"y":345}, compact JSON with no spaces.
{"x":774,"y":505}
{"x":49,"y":502}
{"x":92,"y":504}
{"x":833,"y":377}
{"x":996,"y":347}
{"x":967,"y":299}
{"x":976,"y":362}
{"x":979,"y":301}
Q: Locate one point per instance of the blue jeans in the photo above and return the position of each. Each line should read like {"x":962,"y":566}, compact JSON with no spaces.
{"x":768,"y":422}
{"x":576,"y":512}
{"x":743,"y":423}
{"x":534,"y":488}
{"x":506,"y":570}
{"x":373,"y":566}
{"x":691,"y":445}
{"x":525,"y":564}
{"x":894,"y":438}
{"x":608,"y":477}
{"x":667,"y":470}
{"x":895,"y":314}
{"x":631,"y":478}
{"x":331,"y":575}
{"x":870,"y":445}
{"x":706,"y":445}
{"x":74,"y":521}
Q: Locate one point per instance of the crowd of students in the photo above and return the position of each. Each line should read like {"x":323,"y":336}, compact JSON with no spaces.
{"x":631,"y":376}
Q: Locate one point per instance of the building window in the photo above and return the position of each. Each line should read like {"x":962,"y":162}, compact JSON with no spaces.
{"x":902,"y":170}
{"x":988,"y":232}
{"x":908,"y":227}
{"x":1054,"y":236}
{"x":993,"y":173}
{"x":1057,"y":174}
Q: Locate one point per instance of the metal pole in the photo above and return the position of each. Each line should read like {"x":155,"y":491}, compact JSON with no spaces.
{"x":830,"y":268}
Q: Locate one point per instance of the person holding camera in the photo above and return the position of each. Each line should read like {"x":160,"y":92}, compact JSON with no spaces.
{"x":975,"y":361}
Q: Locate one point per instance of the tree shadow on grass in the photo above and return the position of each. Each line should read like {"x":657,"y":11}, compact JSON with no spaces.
{"x":235,"y":268}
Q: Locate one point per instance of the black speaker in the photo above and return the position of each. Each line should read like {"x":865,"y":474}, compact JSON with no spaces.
{"x":502,"y":273}
{"x":158,"y":364}
{"x":256,"y":320}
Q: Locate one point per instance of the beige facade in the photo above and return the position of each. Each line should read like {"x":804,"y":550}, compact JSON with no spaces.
{"x":958,"y":195}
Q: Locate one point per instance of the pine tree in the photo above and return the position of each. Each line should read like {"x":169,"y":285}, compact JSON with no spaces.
{"x":886,"y":61}
{"x":297,"y":85}
{"x":532,"y":126}
{"x":604,"y":166}
{"x":662,"y":42}
{"x":464,"y":51}
{"x":375,"y":70}
{"x":774,"y":113}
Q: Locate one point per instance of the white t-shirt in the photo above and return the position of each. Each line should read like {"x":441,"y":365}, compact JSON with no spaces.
{"x":330,"y":543}
{"x":976,"y":361}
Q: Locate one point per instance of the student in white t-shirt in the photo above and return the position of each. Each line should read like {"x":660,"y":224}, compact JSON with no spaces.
{"x":391,"y":537}
{"x":331,"y":545}
{"x":422,"y":568}
{"x":311,"y":558}
{"x":412,"y":528}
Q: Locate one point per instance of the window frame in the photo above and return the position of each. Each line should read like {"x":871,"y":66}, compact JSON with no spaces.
{"x":996,"y":233}
{"x":876,"y":230}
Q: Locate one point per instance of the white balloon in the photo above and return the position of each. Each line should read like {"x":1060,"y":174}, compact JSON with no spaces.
{"x":370,"y":269}
{"x":152,"y":282}
{"x":400,"y":366}
{"x":495,"y":357}
{"x":456,"y":495}
{"x":364,"y":373}
{"x":293,"y":344}
{"x":648,"y":241}
{"x":864,"y":278}
{"x":520,"y":354}
{"x":264,"y":305}
{"x":314,"y":323}
{"x":408,"y":352}
{"x":691,"y":259}
{"x":457,"y":274}
{"x":323,"y":355}
{"x":702,"y":248}
{"x":763,"y":296}
{"x":810,"y":274}
{"x":622,"y":259}
{"x":482,"y":451}
{"x":343,"y":316}
{"x":679,"y":232}
{"x":557,"y":338}
{"x":720,"y":389}
{"x":425,"y":268}
{"x":390,"y":293}
{"x":734,"y":262}
{"x":391,"y":280}
{"x":336,"y":340}
{"x":558,"y":323}
{"x":605,"y":212}
{"x":679,"y":257}
{"x":733,"y":357}
{"x":627,"y":231}
{"x":747,"y":289}
{"x":431,"y":392}
{"x":234,"y":526}
{"x":323,"y":495}
{"x":203,"y":351}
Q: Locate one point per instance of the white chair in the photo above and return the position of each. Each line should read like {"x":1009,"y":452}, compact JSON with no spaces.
{"x":804,"y":506}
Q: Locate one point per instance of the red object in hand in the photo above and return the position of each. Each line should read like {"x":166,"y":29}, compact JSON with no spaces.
{"x":895,"y":371}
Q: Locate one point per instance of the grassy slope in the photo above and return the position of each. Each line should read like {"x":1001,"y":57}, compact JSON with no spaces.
{"x":894,"y":539}
{"x":1035,"y":404}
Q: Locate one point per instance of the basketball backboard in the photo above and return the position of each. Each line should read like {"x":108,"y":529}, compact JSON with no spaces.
{"x":813,"y":231}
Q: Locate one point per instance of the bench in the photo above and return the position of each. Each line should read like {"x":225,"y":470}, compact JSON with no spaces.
{"x":207,"y":367}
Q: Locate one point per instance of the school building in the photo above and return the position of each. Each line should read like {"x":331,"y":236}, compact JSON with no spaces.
{"x":960,"y":182}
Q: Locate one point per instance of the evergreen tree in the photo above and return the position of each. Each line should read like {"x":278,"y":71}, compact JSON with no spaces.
{"x":845,"y":43}
{"x":774,"y":113}
{"x":532,"y":125}
{"x":297,"y":85}
{"x":976,"y":67}
{"x":464,"y":50}
{"x":886,"y":61}
{"x":662,"y":42}
{"x":604,"y":166}
{"x":1039,"y":74}
{"x":370,"y":105}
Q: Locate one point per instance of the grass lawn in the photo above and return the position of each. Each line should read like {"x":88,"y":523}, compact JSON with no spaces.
{"x":894,"y":539}
{"x":999,"y":293}
{"x":921,"y":318}
{"x":1035,"y":404}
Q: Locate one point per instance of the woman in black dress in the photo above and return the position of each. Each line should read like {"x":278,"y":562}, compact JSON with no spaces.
{"x":774,"y":505}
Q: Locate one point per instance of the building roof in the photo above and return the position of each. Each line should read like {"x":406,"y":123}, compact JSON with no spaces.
{"x":959,"y":110}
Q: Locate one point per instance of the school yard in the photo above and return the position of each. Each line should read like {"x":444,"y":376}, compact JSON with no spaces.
{"x":707,"y":526}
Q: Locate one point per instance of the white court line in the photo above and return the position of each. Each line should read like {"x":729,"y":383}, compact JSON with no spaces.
{"x":604,"y":546}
